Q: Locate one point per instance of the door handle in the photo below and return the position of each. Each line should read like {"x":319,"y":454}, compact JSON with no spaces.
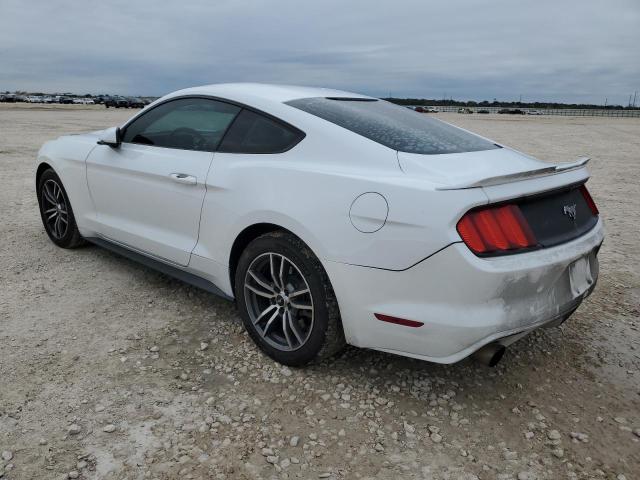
{"x":183,"y":178}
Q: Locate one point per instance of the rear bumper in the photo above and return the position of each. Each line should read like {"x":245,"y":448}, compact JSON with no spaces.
{"x":463,"y":301}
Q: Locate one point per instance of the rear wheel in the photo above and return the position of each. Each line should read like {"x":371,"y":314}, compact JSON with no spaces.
{"x":56,"y":212}
{"x":286,"y":300}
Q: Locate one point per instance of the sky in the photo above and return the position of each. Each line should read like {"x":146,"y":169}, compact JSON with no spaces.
{"x":543,"y":50}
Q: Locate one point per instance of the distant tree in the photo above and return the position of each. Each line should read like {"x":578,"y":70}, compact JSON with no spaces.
{"x":496,"y":103}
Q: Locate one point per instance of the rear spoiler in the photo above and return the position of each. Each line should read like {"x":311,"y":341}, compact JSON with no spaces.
{"x":516,"y":177}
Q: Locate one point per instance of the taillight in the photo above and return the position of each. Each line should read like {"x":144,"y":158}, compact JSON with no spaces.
{"x":494,"y":230}
{"x":587,"y":198}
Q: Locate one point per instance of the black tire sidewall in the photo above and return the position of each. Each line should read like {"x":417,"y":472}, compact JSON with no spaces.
{"x":71,"y":234}
{"x":307,"y":264}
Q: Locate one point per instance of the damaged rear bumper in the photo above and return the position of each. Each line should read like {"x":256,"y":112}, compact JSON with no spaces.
{"x":465,"y":302}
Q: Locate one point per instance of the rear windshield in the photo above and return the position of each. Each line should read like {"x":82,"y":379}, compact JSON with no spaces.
{"x":396,"y":127}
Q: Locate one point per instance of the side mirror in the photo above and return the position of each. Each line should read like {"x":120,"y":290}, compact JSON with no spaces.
{"x":111,"y":137}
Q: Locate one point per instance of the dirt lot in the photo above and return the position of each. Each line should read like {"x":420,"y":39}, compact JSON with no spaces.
{"x":110,"y":370}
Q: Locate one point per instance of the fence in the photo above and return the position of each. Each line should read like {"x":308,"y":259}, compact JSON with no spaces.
{"x":552,"y":111}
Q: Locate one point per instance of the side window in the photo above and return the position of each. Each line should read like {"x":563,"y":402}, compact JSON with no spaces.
{"x":255,"y":133}
{"x":186,"y":124}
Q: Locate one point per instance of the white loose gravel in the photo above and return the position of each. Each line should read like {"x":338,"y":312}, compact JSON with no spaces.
{"x":227,"y":411}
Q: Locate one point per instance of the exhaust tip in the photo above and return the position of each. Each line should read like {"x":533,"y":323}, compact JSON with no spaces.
{"x":491,"y":354}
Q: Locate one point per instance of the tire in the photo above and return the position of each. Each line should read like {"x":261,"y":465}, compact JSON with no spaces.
{"x":54,"y":204}
{"x":296,"y":336}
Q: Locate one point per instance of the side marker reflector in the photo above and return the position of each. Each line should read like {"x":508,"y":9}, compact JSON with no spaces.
{"x":398,"y":321}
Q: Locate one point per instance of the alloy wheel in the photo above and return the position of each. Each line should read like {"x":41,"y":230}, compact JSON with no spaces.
{"x":279,"y":301}
{"x":55,"y":209}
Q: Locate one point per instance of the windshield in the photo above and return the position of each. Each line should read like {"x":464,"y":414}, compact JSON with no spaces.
{"x":393,"y":126}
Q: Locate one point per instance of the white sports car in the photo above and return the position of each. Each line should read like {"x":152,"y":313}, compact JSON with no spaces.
{"x":333,"y":218}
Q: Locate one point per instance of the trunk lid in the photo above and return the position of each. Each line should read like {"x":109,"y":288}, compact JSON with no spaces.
{"x":549,"y":196}
{"x":559,"y":216}
{"x":484,"y":168}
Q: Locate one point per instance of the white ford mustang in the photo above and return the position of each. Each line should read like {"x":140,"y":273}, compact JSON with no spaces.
{"x":333,"y":218}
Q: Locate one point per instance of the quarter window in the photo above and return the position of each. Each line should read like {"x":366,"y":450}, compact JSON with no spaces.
{"x":186,"y":124}
{"x":255,"y":133}
{"x":396,"y":127}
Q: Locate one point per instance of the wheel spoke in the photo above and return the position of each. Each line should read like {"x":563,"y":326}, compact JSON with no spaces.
{"x":286,"y":318}
{"x":260,"y":292}
{"x":299,"y":292}
{"x":269,"y":323}
{"x":63,"y":219}
{"x":294,"y":329}
{"x":261,"y":282}
{"x":56,"y":227}
{"x":300,"y":306}
{"x":53,"y":215}
{"x":282,"y":260}
{"x":273,"y":275}
{"x":48,"y":195}
{"x":264,"y":312}
{"x":54,"y":209}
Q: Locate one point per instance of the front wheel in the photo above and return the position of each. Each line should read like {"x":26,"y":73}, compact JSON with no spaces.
{"x":56,"y":212}
{"x":286,"y":300}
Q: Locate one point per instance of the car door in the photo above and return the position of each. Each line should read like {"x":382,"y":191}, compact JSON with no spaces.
{"x":148,"y":192}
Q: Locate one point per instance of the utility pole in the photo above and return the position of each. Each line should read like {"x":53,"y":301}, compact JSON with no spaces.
{"x":629,"y":100}
{"x":634,"y":98}
{"x":605,"y":102}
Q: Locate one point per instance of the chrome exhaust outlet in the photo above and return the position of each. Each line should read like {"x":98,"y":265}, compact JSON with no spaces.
{"x":490,"y":354}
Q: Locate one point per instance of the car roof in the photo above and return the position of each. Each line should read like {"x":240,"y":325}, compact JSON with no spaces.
{"x":250,"y":92}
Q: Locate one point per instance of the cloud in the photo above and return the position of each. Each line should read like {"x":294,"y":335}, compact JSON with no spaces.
{"x":545,"y":50}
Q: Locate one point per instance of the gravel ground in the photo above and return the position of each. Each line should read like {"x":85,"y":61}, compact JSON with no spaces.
{"x":110,"y":370}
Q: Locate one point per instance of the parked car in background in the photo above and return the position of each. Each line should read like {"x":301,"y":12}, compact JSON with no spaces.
{"x":116,"y":102}
{"x":135,"y":102}
{"x":83,"y":101}
{"x":465,"y":110}
{"x":483,"y":110}
{"x":65,"y":100}
{"x":432,"y":110}
{"x":332,"y":218}
{"x":534,"y":112}
{"x":7,"y":98}
{"x":511,"y":111}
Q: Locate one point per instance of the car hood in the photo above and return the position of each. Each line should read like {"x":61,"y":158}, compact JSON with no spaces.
{"x":95,"y":133}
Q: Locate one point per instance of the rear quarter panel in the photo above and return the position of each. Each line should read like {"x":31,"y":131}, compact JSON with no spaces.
{"x":309,"y":191}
